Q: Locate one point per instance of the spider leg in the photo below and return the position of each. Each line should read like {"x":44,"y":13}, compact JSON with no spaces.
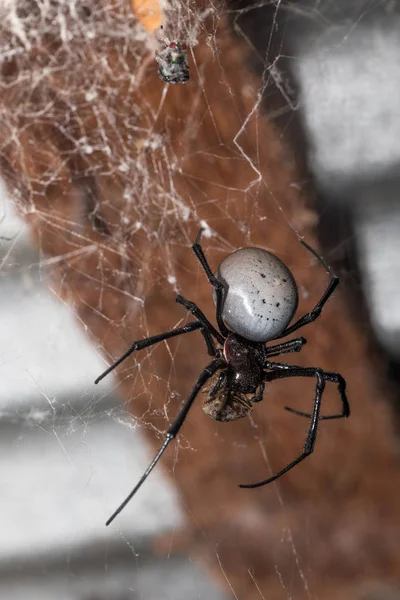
{"x":341,"y":386}
{"x":218,"y":384}
{"x":312,"y":372}
{"x":140,"y":344}
{"x":259,"y":393}
{"x":200,"y":316}
{"x":160,"y":59}
{"x":172,"y":431}
{"x":312,"y":431}
{"x":316,"y":311}
{"x":217,"y":285}
{"x":291,"y":346}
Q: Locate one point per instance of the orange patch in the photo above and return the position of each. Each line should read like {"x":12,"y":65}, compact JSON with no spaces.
{"x":149,"y":13}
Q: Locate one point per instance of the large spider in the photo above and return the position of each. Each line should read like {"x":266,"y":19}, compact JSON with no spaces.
{"x":256,"y":297}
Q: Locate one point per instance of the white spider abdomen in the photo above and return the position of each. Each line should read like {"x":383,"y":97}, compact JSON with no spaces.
{"x":261,"y":294}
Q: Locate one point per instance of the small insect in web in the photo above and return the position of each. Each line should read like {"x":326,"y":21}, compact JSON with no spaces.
{"x":256,"y":298}
{"x":172,"y":60}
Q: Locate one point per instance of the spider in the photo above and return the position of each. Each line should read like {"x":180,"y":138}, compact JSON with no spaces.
{"x":173,"y":63}
{"x":256,"y":298}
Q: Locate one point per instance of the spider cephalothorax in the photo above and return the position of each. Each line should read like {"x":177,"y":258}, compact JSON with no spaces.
{"x":256,"y":298}
{"x":232,"y":391}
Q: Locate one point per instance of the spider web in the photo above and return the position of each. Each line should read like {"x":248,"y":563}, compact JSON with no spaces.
{"x":79,"y":104}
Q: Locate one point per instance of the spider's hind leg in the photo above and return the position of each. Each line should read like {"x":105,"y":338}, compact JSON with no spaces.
{"x":216,"y":284}
{"x":311,"y":316}
{"x":209,"y":329}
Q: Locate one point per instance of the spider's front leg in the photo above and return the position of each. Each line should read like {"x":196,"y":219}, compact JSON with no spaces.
{"x":311,"y":435}
{"x":155,"y":339}
{"x":172,"y":431}
{"x":284,"y":370}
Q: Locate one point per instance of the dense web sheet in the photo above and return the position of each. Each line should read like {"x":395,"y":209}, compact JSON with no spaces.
{"x":66,"y":100}
{"x":115,"y":177}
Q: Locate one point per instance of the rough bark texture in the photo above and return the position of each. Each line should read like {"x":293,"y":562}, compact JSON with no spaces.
{"x":332,"y":524}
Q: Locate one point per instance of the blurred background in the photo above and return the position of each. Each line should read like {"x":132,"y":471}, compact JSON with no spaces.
{"x":337,"y":67}
{"x":71,"y":450}
{"x":67,"y":449}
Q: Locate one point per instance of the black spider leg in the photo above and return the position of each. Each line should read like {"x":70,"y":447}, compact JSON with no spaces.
{"x":327,"y":376}
{"x":316,"y":311}
{"x":200,"y":316}
{"x":217,"y":285}
{"x":155,"y":339}
{"x":312,"y":431}
{"x":259,"y":393}
{"x":172,"y":431}
{"x":290,"y":346}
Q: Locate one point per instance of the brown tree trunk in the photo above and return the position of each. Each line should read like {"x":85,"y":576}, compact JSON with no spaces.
{"x":114,"y":176}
